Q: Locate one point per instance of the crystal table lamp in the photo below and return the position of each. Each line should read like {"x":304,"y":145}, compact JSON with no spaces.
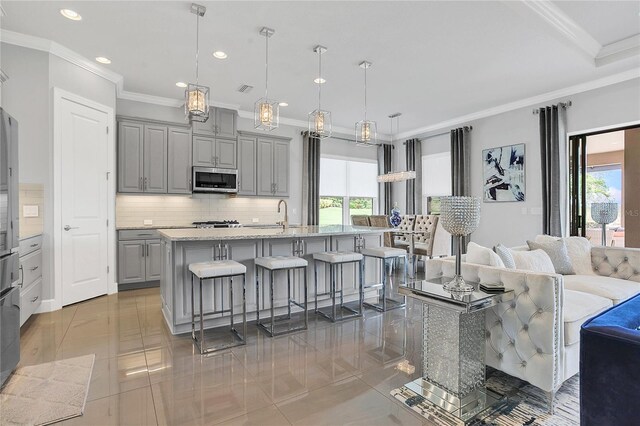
{"x":603,"y":214}
{"x":460,"y":216}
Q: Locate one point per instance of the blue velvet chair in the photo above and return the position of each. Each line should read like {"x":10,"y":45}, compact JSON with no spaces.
{"x":610,"y":367}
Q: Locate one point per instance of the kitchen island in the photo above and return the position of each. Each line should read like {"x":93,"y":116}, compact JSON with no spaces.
{"x":181,"y":247}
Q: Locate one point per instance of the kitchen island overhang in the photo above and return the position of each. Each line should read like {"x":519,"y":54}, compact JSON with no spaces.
{"x":180,"y":247}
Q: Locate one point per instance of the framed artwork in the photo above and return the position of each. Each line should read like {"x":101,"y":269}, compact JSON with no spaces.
{"x":503,"y":173}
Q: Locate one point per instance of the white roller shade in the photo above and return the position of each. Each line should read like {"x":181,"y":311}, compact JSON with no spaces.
{"x":362,"y":179}
{"x":333,"y":177}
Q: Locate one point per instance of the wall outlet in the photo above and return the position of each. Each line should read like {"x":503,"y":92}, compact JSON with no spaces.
{"x":536,"y":211}
{"x":147,"y":222}
{"x":255,"y":220}
{"x":294,"y":211}
{"x":523,"y":210}
{"x":30,"y":210}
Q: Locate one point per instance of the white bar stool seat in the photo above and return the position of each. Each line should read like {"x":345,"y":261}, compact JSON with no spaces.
{"x":335,"y":260}
{"x":388,"y":256}
{"x":288,"y":264}
{"x":217,"y":269}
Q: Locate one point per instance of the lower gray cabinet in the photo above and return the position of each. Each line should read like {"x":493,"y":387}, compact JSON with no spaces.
{"x":139,"y":258}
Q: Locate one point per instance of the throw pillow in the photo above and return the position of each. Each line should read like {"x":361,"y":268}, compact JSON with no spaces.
{"x":557,"y":251}
{"x":505,"y":255}
{"x":579,"y":249}
{"x":483,"y":256}
{"x":535,"y":261}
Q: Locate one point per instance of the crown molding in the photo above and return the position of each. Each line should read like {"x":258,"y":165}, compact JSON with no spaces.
{"x":523,"y":103}
{"x":619,"y":50}
{"x":566,"y":26}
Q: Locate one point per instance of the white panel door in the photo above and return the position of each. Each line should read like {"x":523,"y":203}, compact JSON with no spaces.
{"x":84,"y":195}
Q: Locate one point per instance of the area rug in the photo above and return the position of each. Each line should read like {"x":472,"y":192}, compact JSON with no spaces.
{"x":525,"y":405}
{"x":46,"y":393}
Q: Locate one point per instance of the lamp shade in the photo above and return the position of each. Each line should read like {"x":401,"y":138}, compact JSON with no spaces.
{"x":460,"y":215}
{"x":604,"y":213}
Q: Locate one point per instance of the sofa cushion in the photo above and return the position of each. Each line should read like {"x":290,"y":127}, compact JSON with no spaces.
{"x":615,"y":289}
{"x":557,"y":251}
{"x":483,"y":256}
{"x":579,"y":249}
{"x":534,"y":260}
{"x":578,"y":308}
{"x":505,"y":255}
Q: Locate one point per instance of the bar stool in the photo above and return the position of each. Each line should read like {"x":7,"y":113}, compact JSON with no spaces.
{"x":337,"y":259}
{"x":211,"y":271}
{"x":274,"y":264}
{"x":386,"y":255}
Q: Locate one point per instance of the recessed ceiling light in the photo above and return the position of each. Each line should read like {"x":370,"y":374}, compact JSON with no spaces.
{"x":283,"y":104}
{"x":181,"y":84}
{"x":71,"y":14}
{"x":103,"y":60}
{"x":320,"y":80}
{"x":219,"y":54}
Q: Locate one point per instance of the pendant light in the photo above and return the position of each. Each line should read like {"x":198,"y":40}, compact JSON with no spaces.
{"x":266,"y":112}
{"x":366,"y":130}
{"x":320,"y":120}
{"x":196,"y":105}
{"x":396,"y":176}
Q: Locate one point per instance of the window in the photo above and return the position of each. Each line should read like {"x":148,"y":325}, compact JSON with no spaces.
{"x":347,"y":188}
{"x":436,"y":180}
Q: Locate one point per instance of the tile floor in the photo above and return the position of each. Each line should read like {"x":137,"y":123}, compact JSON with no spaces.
{"x":330,"y":374}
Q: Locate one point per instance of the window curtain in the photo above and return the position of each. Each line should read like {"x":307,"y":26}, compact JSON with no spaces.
{"x":460,"y":183}
{"x":310,"y":179}
{"x":553,"y":150}
{"x":385,"y":193}
{"x":413,"y":154}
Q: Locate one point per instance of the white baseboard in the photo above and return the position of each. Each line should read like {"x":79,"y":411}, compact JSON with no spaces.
{"x":48,"y":305}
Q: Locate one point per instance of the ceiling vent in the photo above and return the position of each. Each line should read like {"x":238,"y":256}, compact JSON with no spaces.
{"x":245,"y":88}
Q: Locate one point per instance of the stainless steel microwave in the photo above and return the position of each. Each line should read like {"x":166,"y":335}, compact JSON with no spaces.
{"x":211,"y":179}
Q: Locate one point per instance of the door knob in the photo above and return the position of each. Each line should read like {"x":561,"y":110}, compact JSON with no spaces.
{"x":67,"y":227}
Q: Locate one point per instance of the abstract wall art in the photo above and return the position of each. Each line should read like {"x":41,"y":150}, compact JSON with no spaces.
{"x":503,"y":173}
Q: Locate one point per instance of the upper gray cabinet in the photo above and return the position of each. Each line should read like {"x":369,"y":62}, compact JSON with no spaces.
{"x":179,"y":161}
{"x":214,"y":152}
{"x":130,"y":157}
{"x":247,"y":182}
{"x":221,"y":124}
{"x":153,"y":157}
{"x":272,"y":166}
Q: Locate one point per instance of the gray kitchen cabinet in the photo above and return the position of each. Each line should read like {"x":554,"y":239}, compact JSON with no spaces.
{"x":226,"y":153}
{"x":153,"y":260}
{"x":221,"y":123}
{"x":225,"y":126}
{"x":265,"y":167}
{"x":281,"y":168}
{"x":130,"y":157}
{"x":139,"y":256}
{"x":179,"y":161}
{"x":213,"y":152}
{"x":131,"y":262}
{"x":247,"y":184}
{"x":273,"y":167}
{"x":155,"y":159}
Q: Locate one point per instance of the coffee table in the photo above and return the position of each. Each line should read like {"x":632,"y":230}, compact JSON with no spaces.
{"x":454,"y":348}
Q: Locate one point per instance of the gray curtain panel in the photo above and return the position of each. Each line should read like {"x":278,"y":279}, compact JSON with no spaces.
{"x":413,"y":153}
{"x":460,"y":166}
{"x":553,"y":137}
{"x":310,"y":179}
{"x":385,"y":193}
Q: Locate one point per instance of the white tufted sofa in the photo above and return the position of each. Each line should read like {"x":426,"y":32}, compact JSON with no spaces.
{"x":536,"y":337}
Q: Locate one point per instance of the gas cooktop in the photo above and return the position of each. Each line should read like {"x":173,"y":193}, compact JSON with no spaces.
{"x":218,"y":224}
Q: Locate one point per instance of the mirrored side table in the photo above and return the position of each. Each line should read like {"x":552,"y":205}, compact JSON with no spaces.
{"x":454,"y":348}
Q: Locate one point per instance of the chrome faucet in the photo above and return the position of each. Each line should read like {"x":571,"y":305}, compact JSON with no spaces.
{"x":285,"y":222}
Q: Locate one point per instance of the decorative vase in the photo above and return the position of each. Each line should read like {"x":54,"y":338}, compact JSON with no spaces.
{"x":395,"y":219}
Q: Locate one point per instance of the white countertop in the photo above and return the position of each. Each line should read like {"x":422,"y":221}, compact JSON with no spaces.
{"x":197,"y":234}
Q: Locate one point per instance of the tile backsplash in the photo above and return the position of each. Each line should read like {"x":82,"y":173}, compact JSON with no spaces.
{"x":31,"y":195}
{"x":168,"y":210}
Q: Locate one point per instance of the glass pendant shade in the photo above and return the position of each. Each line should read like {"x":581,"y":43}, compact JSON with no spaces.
{"x":320,"y":123}
{"x":266,"y":114}
{"x":366,"y":132}
{"x":197,"y":102}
